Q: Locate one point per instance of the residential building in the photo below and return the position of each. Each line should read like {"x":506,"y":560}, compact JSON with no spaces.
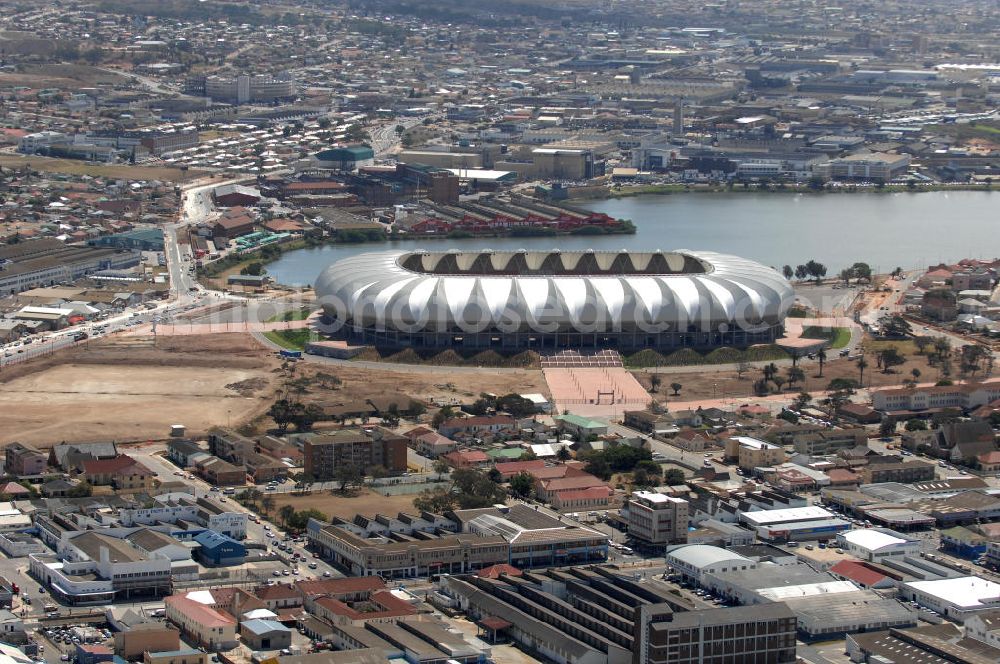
{"x":204,"y":625}
{"x":476,"y":425}
{"x":751,"y":453}
{"x":582,"y":428}
{"x":963,"y":395}
{"x":182,"y":508}
{"x":143,"y":637}
{"x":358,"y":448}
{"x":829,"y":441}
{"x":649,"y":422}
{"x":897,"y":471}
{"x":655,"y":519}
{"x":122,"y":472}
{"x":20,"y":460}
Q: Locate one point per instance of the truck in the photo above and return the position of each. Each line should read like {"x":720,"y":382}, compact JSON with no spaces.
{"x":291,"y":354}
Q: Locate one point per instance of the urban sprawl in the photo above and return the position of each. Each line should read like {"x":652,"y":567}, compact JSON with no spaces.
{"x":443,"y":453}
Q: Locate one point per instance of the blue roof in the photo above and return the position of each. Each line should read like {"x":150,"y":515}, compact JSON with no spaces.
{"x":212,"y":539}
{"x":259,"y":626}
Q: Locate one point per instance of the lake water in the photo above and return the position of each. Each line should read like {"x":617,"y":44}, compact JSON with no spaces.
{"x":908,"y":230}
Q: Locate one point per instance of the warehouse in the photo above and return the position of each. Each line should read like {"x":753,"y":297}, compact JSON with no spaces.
{"x":955,"y":599}
{"x":795,"y":523}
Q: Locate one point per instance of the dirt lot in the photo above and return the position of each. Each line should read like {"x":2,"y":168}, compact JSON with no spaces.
{"x":127,"y":389}
{"x":366,"y":502}
{"x":74,"y":167}
{"x":709,"y":382}
{"x":428,"y":383}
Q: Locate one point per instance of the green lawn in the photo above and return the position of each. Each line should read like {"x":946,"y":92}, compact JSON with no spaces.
{"x":294,"y":314}
{"x":291,"y":339}
{"x":839,"y":337}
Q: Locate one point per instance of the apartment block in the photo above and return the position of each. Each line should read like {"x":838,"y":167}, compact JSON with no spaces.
{"x":752,"y":453}
{"x":22,"y":459}
{"x":358,"y":448}
{"x":655,"y":518}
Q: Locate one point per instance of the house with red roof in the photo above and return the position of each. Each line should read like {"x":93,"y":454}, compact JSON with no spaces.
{"x":205,"y":626}
{"x":467,"y":459}
{"x":591,"y":498}
{"x":121,"y":472}
{"x":549,"y":489}
{"x":508,"y":469}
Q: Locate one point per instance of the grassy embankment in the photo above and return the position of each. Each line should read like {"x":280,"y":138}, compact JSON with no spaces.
{"x":838,"y":337}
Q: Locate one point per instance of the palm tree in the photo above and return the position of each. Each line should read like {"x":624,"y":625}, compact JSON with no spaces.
{"x":654,"y":382}
{"x":821,"y":356}
{"x":862,"y":365}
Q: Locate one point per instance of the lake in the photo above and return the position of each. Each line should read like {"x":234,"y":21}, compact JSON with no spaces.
{"x":907,"y":230}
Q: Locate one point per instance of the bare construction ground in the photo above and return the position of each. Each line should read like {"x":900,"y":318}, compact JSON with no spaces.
{"x":129,"y":389}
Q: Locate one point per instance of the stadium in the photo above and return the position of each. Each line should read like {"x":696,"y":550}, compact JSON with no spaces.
{"x":553,"y":299}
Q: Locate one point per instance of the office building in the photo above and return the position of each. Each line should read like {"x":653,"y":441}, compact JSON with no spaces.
{"x":593,"y":615}
{"x":654,"y":518}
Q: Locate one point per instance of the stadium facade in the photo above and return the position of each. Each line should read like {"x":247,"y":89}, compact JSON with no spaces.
{"x":554,"y":299}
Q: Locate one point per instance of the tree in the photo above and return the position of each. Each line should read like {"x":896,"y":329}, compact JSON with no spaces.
{"x":305,"y":416}
{"x":676,"y":387}
{"x":787,"y":271}
{"x":816,"y":270}
{"x":441,"y":467}
{"x":802,"y":400}
{"x":516,"y":405}
{"x":915,"y":424}
{"x":887,"y":427}
{"x":888,"y":358}
{"x":255,"y":269}
{"x":473,"y":489}
{"x":742,"y":367}
{"x":285,"y":512}
{"x":921,"y":343}
{"x":862,"y":365}
{"x":778,"y":381}
{"x":916,"y":375}
{"x":795,"y":375}
{"x":564,"y":454}
{"x":654,"y":382}
{"x":267,"y":504}
{"x":437,"y":500}
{"x":347,"y":475}
{"x":801,"y":272}
{"x":446,"y":413}
{"x":522,"y":485}
{"x":495,"y":475}
{"x":673,"y":477}
{"x":597,"y":465}
{"x":642,"y":478}
{"x":283,"y":414}
{"x":861,"y":271}
{"x":821,"y":356}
